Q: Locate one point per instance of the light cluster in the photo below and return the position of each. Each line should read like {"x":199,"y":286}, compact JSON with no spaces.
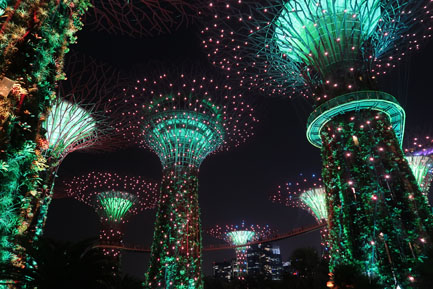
{"x":115,"y":198}
{"x":241,"y":235}
{"x":183,"y":119}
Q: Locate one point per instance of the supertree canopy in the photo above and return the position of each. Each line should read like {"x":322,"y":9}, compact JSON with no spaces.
{"x":35,"y":37}
{"x":240,"y":235}
{"x":183,"y":119}
{"x":419,"y":154}
{"x":141,"y":18}
{"x":332,"y":52}
{"x":307,"y":193}
{"x":114,"y":198}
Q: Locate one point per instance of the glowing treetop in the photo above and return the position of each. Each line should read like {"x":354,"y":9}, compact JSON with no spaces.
{"x":241,"y":235}
{"x":320,"y":46}
{"x":114,"y":197}
{"x":70,"y":127}
{"x":78,"y":118}
{"x":237,"y":236}
{"x":419,"y":154}
{"x":306,"y":193}
{"x":184,"y":119}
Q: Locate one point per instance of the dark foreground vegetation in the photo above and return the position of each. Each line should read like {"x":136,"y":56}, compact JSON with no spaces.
{"x":65,"y":265}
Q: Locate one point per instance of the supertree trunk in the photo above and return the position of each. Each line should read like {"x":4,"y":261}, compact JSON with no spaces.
{"x":241,"y":263}
{"x":40,"y":208}
{"x":35,"y":36}
{"x":176,"y":248}
{"x":378,"y":217}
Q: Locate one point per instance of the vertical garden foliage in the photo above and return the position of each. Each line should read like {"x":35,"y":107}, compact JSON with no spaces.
{"x":176,"y":250}
{"x":378,"y":217}
{"x":34,"y":37}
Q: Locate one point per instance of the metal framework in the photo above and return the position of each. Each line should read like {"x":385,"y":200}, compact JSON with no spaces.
{"x":141,"y":18}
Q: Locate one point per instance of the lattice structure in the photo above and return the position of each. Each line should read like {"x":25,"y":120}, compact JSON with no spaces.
{"x":333,"y":51}
{"x":115,"y":198}
{"x":307,"y":193}
{"x":240,"y":235}
{"x":419,"y":154}
{"x":141,"y":18}
{"x":183,"y":119}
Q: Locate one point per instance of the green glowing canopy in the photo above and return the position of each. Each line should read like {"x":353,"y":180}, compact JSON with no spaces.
{"x":66,"y":125}
{"x":3,"y":6}
{"x":422,"y":170}
{"x":315,"y":200}
{"x":240,"y":237}
{"x":183,"y":137}
{"x":326,"y":29}
{"x":115,"y":205}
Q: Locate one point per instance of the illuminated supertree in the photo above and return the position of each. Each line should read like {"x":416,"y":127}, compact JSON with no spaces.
{"x":240,"y":235}
{"x":141,"y":18}
{"x":308,"y":194}
{"x":77,"y":121}
{"x":35,"y":36}
{"x":419,"y":154}
{"x":115,"y":198}
{"x":183,"y":119}
{"x":332,"y":51}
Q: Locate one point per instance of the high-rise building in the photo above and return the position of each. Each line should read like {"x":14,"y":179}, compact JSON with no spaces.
{"x":222,"y":270}
{"x":265,"y":260}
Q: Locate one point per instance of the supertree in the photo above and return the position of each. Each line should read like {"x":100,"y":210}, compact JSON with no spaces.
{"x":35,"y":36}
{"x":332,"y":52}
{"x":115,"y":198}
{"x":77,"y":121}
{"x":419,"y":154}
{"x":307,"y":193}
{"x":141,"y":18}
{"x":238,"y":235}
{"x":183,"y":119}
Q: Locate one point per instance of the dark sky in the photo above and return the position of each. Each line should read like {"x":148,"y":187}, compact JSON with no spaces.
{"x":233,"y":186}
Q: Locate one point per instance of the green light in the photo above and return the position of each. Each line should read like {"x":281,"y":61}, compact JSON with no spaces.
{"x":184,"y":137}
{"x":315,"y":200}
{"x":421,"y":167}
{"x":115,"y":205}
{"x":325,"y":28}
{"x":241,"y":237}
{"x":3,"y":6}
{"x":67,"y":124}
{"x":355,"y":101}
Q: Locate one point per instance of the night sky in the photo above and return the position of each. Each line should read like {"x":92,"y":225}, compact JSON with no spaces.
{"x":234,"y":185}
